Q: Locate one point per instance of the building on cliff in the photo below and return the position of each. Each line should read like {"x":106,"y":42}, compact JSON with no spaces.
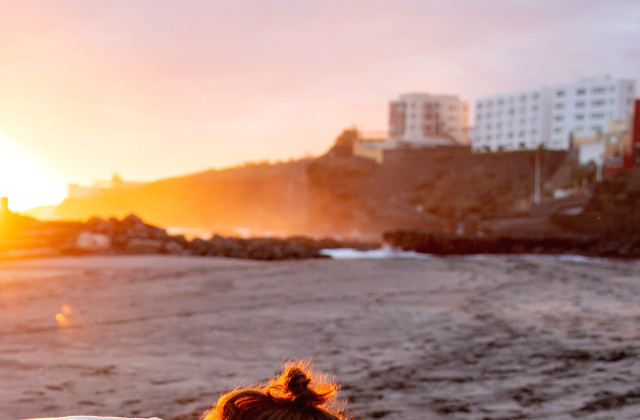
{"x":551,"y":116}
{"x":416,"y":121}
{"x":83,"y":192}
{"x":421,"y":119}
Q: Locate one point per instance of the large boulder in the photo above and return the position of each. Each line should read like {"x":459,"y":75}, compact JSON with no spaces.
{"x":93,"y":242}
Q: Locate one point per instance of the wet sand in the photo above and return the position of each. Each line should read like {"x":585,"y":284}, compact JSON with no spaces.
{"x":502,"y":337}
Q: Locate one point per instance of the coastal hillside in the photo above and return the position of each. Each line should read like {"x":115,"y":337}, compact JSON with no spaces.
{"x":428,"y":188}
{"x":337,"y":193}
{"x":260,"y":197}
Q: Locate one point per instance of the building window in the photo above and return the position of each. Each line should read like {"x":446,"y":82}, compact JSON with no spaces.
{"x":580,"y":104}
{"x":581,"y":92}
{"x":499,"y":125}
{"x":534,"y":132}
{"x":597,"y":116}
{"x":579,"y":117}
{"x":511,"y":111}
{"x":523,"y":98}
{"x":479,"y":117}
{"x":559,"y":93}
{"x":558,"y":118}
{"x":535,"y":96}
{"x":500,"y":102}
{"x":559,"y":105}
{"x":599,"y":89}
{"x":597,"y":103}
{"x":557,"y":130}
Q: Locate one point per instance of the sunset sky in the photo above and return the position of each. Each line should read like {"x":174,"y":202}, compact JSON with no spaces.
{"x":159,"y":88}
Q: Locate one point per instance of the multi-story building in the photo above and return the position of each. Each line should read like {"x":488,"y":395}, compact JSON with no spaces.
{"x":585,"y":108}
{"x":551,"y":115}
{"x":421,"y":119}
{"x":517,"y":120}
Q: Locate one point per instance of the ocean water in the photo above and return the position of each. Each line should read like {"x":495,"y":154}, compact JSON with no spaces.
{"x":385,"y":252}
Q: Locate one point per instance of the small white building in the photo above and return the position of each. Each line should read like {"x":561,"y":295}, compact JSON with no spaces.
{"x":85,"y":192}
{"x":421,"y":119}
{"x":551,"y":116}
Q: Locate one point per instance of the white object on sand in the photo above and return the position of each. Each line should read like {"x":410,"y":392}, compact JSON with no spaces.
{"x":380,"y":253}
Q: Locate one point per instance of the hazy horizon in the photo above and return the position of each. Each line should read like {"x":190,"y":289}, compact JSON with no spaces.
{"x":156,"y":89}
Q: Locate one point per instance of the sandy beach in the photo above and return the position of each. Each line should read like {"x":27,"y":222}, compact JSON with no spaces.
{"x":500,"y":337}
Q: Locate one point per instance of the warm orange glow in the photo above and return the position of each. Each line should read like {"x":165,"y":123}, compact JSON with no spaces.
{"x":61,"y":319}
{"x":25,"y":180}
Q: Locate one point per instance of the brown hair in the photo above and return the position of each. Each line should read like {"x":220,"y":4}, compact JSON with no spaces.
{"x":297,"y":393}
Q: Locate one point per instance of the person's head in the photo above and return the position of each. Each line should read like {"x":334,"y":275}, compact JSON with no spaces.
{"x":296,"y":394}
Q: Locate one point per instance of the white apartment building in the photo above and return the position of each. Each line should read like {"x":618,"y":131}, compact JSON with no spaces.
{"x":518,"y":120}
{"x":421,"y":119}
{"x":585,"y":108}
{"x":550,"y":115}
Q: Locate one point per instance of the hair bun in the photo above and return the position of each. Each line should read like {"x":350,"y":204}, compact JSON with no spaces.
{"x":297,"y":382}
{"x":300,"y":386}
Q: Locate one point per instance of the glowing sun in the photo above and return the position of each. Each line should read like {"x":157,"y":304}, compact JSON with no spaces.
{"x":25,"y":179}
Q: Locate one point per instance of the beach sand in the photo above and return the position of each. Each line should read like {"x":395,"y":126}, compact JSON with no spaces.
{"x":500,"y":337}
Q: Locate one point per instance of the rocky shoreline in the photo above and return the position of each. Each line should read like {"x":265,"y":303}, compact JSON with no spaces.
{"x":131,"y":235}
{"x":621,"y":246}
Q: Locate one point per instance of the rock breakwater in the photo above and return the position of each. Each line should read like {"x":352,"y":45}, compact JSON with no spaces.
{"x":450,"y":244}
{"x":131,"y":235}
